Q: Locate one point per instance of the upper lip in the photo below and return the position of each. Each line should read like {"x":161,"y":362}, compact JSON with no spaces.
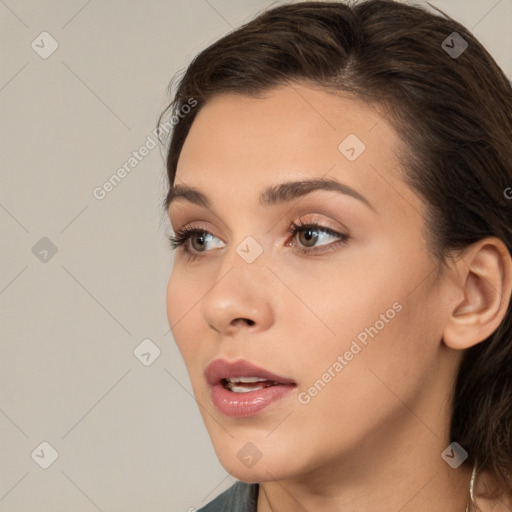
{"x":220,"y":369}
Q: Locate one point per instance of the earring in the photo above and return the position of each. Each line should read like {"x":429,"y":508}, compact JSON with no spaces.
{"x":471,"y":488}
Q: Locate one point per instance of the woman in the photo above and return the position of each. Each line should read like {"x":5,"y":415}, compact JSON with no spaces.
{"x":340,"y":194}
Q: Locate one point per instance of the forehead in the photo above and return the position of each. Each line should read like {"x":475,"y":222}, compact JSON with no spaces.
{"x":238,"y":145}
{"x":280,"y":122}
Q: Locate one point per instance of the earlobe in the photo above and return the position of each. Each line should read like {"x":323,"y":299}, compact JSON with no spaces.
{"x":484,"y":280}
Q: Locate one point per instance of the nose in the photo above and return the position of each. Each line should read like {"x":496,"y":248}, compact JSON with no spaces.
{"x":240,"y":299}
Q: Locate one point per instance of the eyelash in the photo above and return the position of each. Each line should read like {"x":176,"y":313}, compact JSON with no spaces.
{"x":182,"y":236}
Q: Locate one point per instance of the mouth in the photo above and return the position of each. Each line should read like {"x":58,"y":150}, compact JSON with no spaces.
{"x":247,"y":384}
{"x":241,"y":388}
{"x":242,"y":374}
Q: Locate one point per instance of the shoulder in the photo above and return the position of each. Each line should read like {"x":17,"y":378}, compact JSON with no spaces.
{"x":240,"y":497}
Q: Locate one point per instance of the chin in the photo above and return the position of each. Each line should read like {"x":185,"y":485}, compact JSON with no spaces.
{"x":256,"y":462}
{"x":262,"y":471}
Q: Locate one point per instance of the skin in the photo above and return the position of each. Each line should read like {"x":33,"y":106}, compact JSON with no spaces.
{"x":372,"y":438}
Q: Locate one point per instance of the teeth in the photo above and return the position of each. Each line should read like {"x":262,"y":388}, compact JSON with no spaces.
{"x":242,"y":389}
{"x":247,"y":384}
{"x":247,"y":379}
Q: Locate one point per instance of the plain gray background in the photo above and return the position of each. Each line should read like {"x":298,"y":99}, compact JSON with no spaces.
{"x":128,"y":435}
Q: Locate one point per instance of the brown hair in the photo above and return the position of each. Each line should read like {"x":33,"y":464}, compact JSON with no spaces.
{"x":453,"y":114}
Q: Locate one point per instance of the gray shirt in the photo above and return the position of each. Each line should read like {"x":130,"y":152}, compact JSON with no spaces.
{"x":240,"y":497}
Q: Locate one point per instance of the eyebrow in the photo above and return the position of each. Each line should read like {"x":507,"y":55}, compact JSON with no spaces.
{"x":274,"y":194}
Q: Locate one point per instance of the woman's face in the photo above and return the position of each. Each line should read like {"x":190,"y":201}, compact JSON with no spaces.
{"x":349,"y":326}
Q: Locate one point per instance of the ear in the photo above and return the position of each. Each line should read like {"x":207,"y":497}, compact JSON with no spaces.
{"x":483,"y":285}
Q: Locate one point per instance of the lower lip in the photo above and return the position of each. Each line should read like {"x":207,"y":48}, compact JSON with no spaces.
{"x":247,"y":404}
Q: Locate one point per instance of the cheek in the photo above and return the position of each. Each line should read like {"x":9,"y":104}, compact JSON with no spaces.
{"x":329,"y":309}
{"x":395,"y":351}
{"x":183,"y":306}
{"x":174,"y":291}
{"x":371,"y":382}
{"x":381,"y":326}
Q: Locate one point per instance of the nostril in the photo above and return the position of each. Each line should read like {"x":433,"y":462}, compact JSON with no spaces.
{"x":248,"y":321}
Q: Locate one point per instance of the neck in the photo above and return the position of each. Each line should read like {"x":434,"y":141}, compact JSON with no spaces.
{"x":387,"y":476}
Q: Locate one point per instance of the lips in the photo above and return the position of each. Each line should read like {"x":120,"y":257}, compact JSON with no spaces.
{"x":241,"y":388}
{"x":220,"y":369}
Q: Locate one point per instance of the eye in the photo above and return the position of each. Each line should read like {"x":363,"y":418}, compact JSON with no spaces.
{"x":310,"y":234}
{"x":196,"y":242}
{"x":199,"y":239}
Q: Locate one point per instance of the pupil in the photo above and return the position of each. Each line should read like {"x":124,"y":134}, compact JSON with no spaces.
{"x":198,"y":238}
{"x":310,"y":235}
